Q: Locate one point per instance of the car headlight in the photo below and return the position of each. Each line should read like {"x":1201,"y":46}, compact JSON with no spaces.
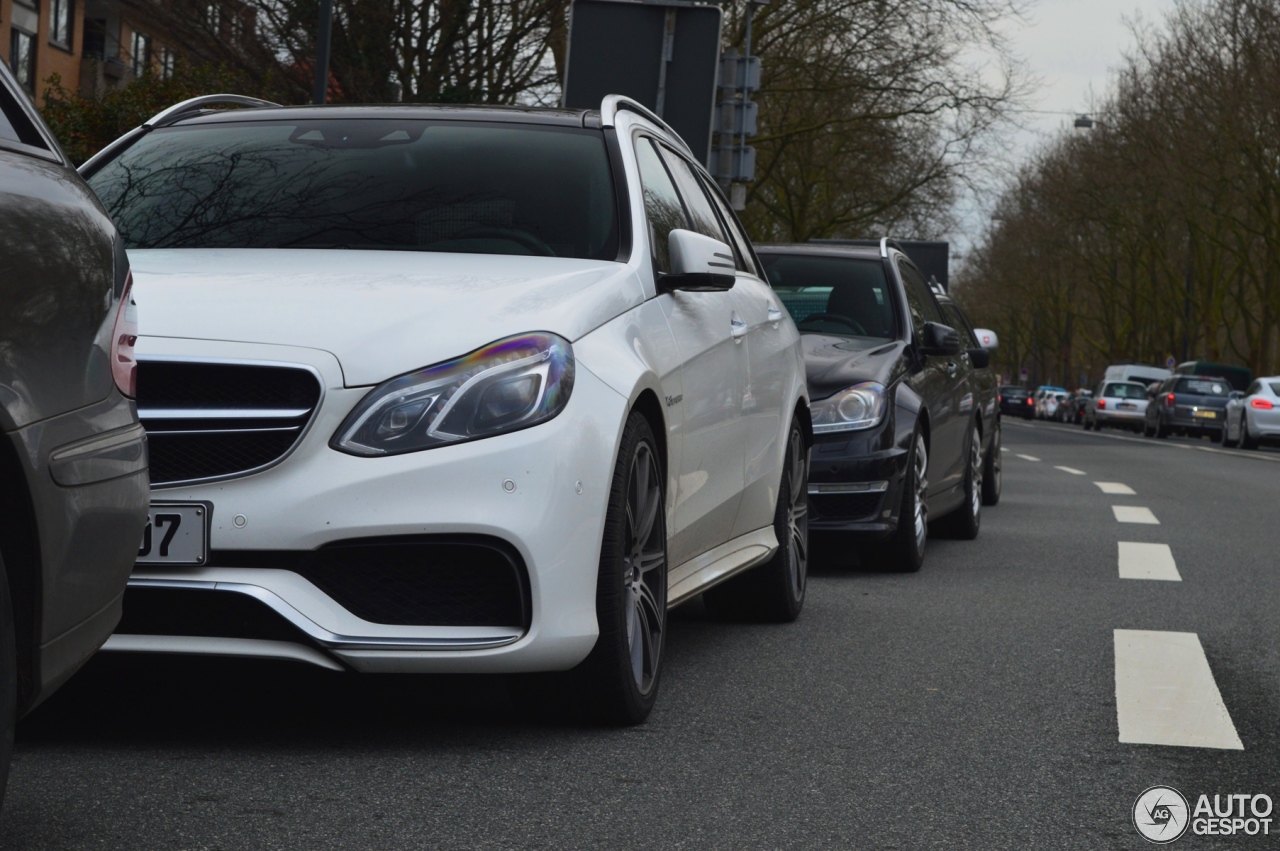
{"x":508,"y":385}
{"x":853,"y":408}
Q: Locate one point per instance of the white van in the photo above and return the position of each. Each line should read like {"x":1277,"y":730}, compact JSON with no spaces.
{"x":1136,"y":372}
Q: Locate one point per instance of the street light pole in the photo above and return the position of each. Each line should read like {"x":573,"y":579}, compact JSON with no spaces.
{"x":320,"y":92}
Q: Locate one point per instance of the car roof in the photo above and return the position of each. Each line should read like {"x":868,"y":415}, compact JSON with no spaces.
{"x":869,"y":252}
{"x":435,"y":112}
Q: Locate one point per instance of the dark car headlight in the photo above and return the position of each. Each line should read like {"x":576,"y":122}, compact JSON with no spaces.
{"x":853,"y":408}
{"x":505,"y":386}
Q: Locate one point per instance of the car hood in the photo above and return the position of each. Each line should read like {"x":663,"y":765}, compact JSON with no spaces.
{"x":834,"y":363}
{"x":381,"y":313}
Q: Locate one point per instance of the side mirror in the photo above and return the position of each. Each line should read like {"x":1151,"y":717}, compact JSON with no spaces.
{"x":939,"y":339}
{"x":1235,"y":394}
{"x":987,"y":338}
{"x":698,"y":263}
{"x":980,"y":358}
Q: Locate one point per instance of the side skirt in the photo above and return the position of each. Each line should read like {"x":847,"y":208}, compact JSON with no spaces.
{"x":716,"y":565}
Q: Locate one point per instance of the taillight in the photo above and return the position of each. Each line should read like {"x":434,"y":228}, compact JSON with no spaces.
{"x":1261,"y":404}
{"x":1030,"y":401}
{"x":1168,"y":400}
{"x":124,"y":336}
{"x":1102,"y":403}
{"x":999,"y":398}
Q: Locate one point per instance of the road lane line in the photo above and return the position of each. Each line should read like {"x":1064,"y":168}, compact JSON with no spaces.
{"x":1028,"y":458}
{"x":1115,"y":487}
{"x":1166,"y":694}
{"x":1134,"y":514}
{"x":1072,"y":470}
{"x":1146,"y":441}
{"x":1148,"y":561}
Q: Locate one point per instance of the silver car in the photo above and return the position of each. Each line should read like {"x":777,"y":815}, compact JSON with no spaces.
{"x":1253,"y":417}
{"x":1118,"y":403}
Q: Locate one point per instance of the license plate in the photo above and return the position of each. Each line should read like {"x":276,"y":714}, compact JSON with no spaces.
{"x":1207,"y":415}
{"x":176,"y":533}
{"x":1125,"y":406}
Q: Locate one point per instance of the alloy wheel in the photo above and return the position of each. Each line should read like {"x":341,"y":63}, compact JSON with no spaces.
{"x":920,"y":508}
{"x":975,"y":470}
{"x":644,"y":565}
{"x":798,"y":514}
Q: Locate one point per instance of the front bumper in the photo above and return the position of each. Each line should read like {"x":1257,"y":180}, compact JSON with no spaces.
{"x":855,"y":485}
{"x":542,"y":492}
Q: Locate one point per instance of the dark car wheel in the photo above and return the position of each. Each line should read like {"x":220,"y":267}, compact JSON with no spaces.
{"x":8,"y":680}
{"x":1161,"y":431}
{"x":1247,"y":441}
{"x":774,"y":591}
{"x":620,"y":676}
{"x":991,"y":470}
{"x":903,"y":551}
{"x":965,"y":522}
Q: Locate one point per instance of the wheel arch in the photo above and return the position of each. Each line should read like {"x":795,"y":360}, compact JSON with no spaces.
{"x":649,"y":406}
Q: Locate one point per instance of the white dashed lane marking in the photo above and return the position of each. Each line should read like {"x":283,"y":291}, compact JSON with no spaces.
{"x":1114,"y":487}
{"x":1072,"y":470}
{"x":1028,"y":458}
{"x":1134,"y":514}
{"x":1166,"y":694}
{"x":1147,"y":561}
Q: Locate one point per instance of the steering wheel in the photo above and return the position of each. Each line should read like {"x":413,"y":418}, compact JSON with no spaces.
{"x":835,"y":317}
{"x":522,"y":238}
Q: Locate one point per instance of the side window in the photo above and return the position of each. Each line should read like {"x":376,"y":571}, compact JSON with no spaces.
{"x":741,"y":245}
{"x":701,"y":214}
{"x":661,"y":202}
{"x":15,"y":125}
{"x":956,"y":319}
{"x":914,"y":282}
{"x":1253,"y":388}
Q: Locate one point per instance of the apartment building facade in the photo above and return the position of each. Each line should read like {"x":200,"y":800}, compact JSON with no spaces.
{"x":93,"y":45}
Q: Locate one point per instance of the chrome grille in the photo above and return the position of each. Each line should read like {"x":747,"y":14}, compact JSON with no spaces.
{"x":214,"y":420}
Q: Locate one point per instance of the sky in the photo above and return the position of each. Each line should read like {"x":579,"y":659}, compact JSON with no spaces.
{"x":1072,"y":47}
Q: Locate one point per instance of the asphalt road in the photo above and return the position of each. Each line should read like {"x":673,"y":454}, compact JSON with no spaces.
{"x":971,"y":705}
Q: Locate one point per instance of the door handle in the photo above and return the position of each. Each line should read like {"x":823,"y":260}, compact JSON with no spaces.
{"x":737,"y":328}
{"x":775,"y":315}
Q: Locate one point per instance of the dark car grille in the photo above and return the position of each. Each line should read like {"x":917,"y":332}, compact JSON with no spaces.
{"x":209,"y":420}
{"x":434,"y":581}
{"x":844,"y":506}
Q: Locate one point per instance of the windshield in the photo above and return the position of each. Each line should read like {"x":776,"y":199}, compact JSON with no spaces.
{"x":366,"y":183}
{"x":1125,"y":391}
{"x":1202,"y":386}
{"x":834,"y":295}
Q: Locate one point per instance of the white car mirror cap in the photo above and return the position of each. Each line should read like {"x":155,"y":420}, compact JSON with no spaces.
{"x":987,"y":338}
{"x":698,"y":262}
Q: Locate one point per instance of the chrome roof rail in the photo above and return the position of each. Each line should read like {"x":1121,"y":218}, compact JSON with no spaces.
{"x":612,"y":104}
{"x":181,"y":110}
{"x":884,"y":246}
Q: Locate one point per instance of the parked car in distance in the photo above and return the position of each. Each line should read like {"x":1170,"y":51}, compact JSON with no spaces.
{"x":1015,"y":401}
{"x":1072,"y":409}
{"x":1047,"y":398}
{"x":1140,"y":372}
{"x":1238,"y":377}
{"x":900,"y":441}
{"x":454,"y":389}
{"x":73,"y":461}
{"x":1117,"y":403}
{"x":1253,"y":416}
{"x":1185,"y":404}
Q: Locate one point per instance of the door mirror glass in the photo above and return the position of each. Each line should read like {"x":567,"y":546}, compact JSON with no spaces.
{"x":939,"y":339}
{"x":698,"y":263}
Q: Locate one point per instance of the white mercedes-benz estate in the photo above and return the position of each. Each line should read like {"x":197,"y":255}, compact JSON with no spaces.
{"x":438,"y":389}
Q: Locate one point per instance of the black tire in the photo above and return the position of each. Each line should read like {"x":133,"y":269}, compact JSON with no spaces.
{"x":619,"y":679}
{"x":992,"y":470}
{"x":903,"y":551}
{"x":1161,"y":431}
{"x":966,"y":521}
{"x":8,"y":680}
{"x":1247,"y":441}
{"x":774,"y":591}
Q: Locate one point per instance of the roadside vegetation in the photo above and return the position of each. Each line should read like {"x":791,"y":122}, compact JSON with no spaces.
{"x":1156,"y":233}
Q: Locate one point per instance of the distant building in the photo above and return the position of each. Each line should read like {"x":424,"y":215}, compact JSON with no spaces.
{"x":96,"y":45}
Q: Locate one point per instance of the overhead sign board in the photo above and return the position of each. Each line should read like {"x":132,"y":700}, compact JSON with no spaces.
{"x":663,"y":54}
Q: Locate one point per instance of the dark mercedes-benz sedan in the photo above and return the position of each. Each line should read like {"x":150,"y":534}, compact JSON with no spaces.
{"x":73,"y":461}
{"x":901,"y":439}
